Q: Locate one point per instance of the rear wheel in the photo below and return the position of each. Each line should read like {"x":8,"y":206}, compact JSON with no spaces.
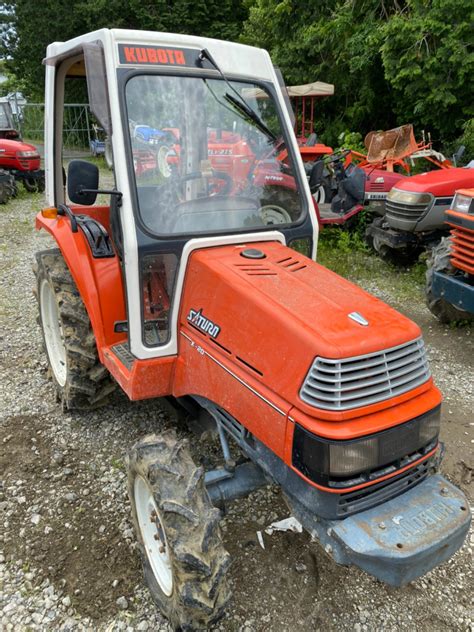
{"x":80,"y":380}
{"x":439,"y":261}
{"x":177,"y":528}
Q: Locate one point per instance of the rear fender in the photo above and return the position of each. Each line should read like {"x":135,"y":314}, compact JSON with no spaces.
{"x":99,"y":281}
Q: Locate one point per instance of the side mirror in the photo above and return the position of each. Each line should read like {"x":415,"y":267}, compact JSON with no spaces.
{"x":458,"y":155}
{"x":82,"y":182}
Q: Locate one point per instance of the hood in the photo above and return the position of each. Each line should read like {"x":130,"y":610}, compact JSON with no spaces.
{"x":278,"y":313}
{"x":381,"y":180}
{"x":442,"y":182}
{"x":12,"y":146}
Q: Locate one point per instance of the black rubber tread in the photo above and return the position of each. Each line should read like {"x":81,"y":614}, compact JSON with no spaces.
{"x":395,"y":256}
{"x":439,"y":261}
{"x":280,"y":197}
{"x":4,"y":193}
{"x":8,"y":187}
{"x":88,"y":384}
{"x":198,"y":557}
{"x":30,"y":184}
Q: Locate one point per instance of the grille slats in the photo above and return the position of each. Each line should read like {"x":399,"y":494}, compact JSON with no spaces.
{"x":325,"y":386}
{"x":462,"y":253}
{"x":353,"y":502}
{"x":332,"y":366}
{"x":404,"y":211}
{"x":354,"y":382}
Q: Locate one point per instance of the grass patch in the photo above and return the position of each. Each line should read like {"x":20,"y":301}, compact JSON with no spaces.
{"x":344,"y":250}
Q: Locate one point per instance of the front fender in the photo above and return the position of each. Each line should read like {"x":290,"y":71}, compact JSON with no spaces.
{"x":99,"y":281}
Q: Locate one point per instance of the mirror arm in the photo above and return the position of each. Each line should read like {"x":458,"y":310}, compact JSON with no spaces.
{"x":65,"y":210}
{"x":119,"y":194}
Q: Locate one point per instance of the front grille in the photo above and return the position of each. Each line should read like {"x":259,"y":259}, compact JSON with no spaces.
{"x":377,"y":186}
{"x":404,"y":212}
{"x":462,"y":250}
{"x":366,"y":379}
{"x":367,"y":497}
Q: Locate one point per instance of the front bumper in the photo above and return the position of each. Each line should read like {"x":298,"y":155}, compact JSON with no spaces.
{"x":395,"y":239}
{"x":454,"y":290}
{"x":401,"y":539}
{"x":36,"y":174}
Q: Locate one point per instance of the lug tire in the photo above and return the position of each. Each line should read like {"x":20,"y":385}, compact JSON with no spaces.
{"x":197,"y":559}
{"x":83,"y":383}
{"x":439,"y":261}
{"x":395,"y":256}
{"x":31,"y":185}
{"x":282,"y":204}
{"x":4,"y":193}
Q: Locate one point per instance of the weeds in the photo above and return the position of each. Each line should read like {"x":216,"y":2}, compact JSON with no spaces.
{"x":345,"y":251}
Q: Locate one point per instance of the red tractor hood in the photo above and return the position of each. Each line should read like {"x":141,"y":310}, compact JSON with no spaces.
{"x":10,"y":147}
{"x":442,"y":182}
{"x":276,"y":314}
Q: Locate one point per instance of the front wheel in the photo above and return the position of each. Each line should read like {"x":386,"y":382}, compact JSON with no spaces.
{"x":439,"y":261}
{"x":177,"y":528}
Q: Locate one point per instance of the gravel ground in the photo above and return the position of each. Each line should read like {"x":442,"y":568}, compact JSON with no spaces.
{"x":68,"y":559}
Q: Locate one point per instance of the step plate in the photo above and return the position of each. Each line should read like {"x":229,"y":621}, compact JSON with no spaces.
{"x":122,"y":352}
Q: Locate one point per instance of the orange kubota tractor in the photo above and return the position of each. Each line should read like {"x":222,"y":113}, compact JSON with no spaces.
{"x":187,"y":287}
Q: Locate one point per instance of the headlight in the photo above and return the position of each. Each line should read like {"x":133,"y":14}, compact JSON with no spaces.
{"x":408,"y":197}
{"x":463,"y":203}
{"x":346,"y":459}
{"x":27,"y":154}
{"x":337,"y":462}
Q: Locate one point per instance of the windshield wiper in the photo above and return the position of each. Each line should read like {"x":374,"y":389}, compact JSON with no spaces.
{"x":241,"y":104}
{"x":251,"y":114}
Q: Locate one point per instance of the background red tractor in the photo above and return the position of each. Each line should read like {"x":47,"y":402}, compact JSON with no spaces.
{"x":19,"y":161}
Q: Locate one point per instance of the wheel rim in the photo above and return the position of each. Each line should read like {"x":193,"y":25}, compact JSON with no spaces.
{"x":274,"y":214}
{"x":162,"y":160}
{"x":153,"y":535}
{"x":53,"y":334}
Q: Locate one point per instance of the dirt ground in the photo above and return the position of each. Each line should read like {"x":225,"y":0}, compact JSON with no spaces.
{"x":68,"y":557}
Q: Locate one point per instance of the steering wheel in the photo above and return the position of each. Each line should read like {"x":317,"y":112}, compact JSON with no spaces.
{"x":336,"y":157}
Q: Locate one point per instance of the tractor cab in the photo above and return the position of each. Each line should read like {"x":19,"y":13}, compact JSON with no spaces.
{"x":7,"y":124}
{"x":199,"y":158}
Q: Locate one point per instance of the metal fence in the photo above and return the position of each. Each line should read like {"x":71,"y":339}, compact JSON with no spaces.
{"x":77,"y":126}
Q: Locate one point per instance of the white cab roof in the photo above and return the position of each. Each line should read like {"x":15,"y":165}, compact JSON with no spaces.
{"x":232,"y":58}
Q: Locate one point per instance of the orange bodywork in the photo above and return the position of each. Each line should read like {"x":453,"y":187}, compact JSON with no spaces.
{"x":462,"y":237}
{"x":99,"y":281}
{"x":275,"y":316}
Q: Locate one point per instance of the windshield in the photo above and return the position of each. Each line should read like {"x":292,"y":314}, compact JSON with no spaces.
{"x":208,"y":156}
{"x":5,"y":118}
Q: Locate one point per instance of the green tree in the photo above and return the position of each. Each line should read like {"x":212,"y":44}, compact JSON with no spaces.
{"x":31,"y":25}
{"x":428,"y":61}
{"x":391,"y":61}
